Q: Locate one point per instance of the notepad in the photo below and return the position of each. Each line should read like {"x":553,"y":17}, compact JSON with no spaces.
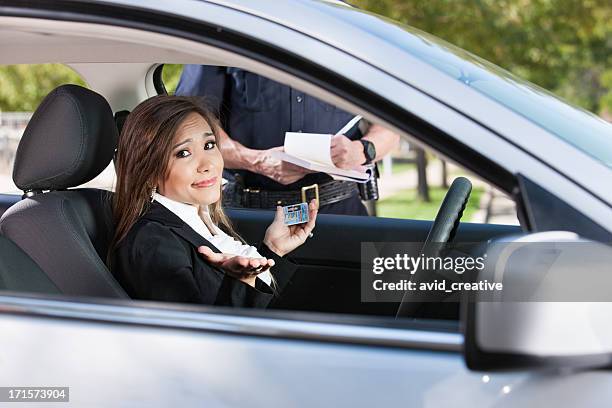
{"x":312,"y":151}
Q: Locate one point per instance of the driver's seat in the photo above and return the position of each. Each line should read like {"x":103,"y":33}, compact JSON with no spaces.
{"x":70,"y":139}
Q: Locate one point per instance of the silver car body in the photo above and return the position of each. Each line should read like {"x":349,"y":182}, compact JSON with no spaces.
{"x":146,"y":354}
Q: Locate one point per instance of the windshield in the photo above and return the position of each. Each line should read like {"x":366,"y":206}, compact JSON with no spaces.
{"x":576,"y":126}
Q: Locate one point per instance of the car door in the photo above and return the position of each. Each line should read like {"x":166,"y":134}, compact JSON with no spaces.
{"x":149,"y":354}
{"x":330,"y":262}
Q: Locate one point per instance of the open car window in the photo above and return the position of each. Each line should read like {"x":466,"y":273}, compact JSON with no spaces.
{"x":412,"y":180}
{"x":411,"y":187}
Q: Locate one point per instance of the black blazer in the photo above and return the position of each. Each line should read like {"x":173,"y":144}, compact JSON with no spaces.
{"x":159,"y":260}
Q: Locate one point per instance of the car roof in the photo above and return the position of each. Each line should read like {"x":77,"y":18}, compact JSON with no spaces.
{"x":522,"y":97}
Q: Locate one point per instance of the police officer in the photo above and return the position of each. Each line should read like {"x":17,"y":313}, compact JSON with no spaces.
{"x":255,"y":113}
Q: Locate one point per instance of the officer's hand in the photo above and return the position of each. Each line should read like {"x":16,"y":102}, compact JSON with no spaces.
{"x":282,"y":238}
{"x":346,"y":153}
{"x":278,"y":170}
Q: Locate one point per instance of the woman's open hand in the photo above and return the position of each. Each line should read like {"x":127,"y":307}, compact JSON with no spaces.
{"x":282,"y":239}
{"x":240,"y":267}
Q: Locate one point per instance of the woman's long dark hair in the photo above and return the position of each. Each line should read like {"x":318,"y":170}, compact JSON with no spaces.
{"x":143,"y":154}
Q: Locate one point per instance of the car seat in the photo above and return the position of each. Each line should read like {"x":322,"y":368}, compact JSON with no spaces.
{"x":19,"y":273}
{"x":70,"y":139}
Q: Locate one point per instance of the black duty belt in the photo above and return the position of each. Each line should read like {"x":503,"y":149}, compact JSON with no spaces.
{"x":234,"y":195}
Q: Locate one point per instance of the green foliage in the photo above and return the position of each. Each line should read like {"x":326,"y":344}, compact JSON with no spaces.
{"x":170,"y":76}
{"x":22,"y":87}
{"x":564,"y":46}
{"x":396,"y":167}
{"x":407,"y":205}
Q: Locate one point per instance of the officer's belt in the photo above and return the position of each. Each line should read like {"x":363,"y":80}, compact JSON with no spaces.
{"x":327,"y":193}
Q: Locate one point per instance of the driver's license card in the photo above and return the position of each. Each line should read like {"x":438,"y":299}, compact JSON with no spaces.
{"x":296,"y":214}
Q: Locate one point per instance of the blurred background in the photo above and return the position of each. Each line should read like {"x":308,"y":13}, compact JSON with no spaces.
{"x":564,"y":46}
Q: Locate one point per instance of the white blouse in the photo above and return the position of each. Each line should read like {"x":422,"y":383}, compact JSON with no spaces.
{"x":225,"y":243}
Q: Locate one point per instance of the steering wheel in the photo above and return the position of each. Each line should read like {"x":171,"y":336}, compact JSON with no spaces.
{"x":443,"y":230}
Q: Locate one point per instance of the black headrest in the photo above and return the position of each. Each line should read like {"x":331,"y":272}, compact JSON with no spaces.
{"x":69,"y":140}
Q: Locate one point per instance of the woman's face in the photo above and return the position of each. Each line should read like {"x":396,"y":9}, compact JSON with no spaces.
{"x":195,"y":166}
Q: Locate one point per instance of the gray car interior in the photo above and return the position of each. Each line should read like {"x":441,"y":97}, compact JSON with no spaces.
{"x":70,"y":139}
{"x":19,"y":273}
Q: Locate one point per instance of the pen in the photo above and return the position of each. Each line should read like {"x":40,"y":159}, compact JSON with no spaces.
{"x":349,"y":125}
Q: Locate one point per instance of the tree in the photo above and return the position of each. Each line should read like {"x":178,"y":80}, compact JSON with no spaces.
{"x":22,"y":87}
{"x":564,"y":46}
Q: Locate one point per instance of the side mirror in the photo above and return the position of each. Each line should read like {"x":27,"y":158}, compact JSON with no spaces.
{"x":555,"y":309}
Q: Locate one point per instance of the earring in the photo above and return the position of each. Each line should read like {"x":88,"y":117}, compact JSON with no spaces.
{"x":153,"y":193}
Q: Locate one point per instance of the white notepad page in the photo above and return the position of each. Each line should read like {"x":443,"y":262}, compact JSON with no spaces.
{"x":315,"y":147}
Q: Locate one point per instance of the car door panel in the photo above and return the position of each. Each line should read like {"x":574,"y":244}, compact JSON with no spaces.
{"x":144,"y":365}
{"x":152,"y":365}
{"x":328,"y":279}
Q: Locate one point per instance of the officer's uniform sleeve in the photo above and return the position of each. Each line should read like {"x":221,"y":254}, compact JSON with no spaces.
{"x":205,"y":81}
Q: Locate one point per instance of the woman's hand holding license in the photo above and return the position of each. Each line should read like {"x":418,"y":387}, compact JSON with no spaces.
{"x":282,"y":238}
{"x":240,"y":267}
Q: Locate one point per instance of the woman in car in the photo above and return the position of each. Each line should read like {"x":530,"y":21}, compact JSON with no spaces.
{"x":173,"y":241}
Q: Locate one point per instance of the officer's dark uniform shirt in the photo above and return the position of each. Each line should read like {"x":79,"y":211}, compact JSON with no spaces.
{"x":257,"y":111}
